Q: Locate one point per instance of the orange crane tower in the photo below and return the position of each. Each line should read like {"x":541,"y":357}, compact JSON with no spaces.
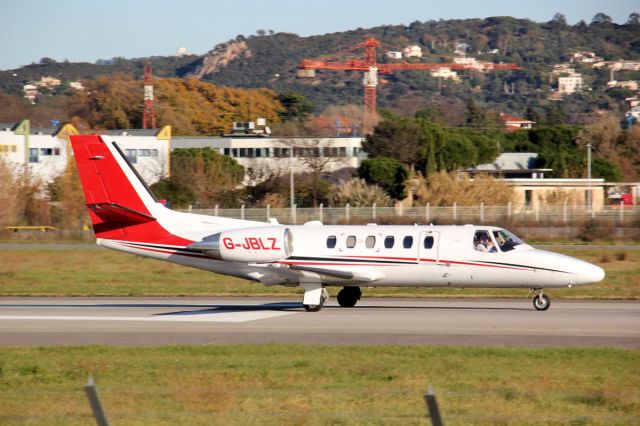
{"x":372,"y":68}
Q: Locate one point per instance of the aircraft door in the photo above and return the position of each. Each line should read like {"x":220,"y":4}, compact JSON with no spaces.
{"x":429,"y":247}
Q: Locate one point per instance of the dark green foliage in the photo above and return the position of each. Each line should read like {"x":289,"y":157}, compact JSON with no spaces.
{"x":398,"y":138}
{"x":174,"y":192}
{"x":429,"y":147}
{"x":200,"y":176}
{"x":296,"y":106}
{"x":387,"y":173}
{"x":606,"y":169}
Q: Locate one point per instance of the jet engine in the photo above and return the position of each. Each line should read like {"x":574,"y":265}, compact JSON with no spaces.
{"x":261,"y":245}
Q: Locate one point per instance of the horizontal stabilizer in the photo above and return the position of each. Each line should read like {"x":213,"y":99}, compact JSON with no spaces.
{"x":110,"y":212}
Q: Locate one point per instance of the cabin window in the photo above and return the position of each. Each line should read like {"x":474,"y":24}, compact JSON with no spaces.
{"x":389,"y":241}
{"x":351,"y":241}
{"x":482,"y":242}
{"x":331,"y":241}
{"x":428,"y":242}
{"x":370,"y":242}
{"x":407,"y":242}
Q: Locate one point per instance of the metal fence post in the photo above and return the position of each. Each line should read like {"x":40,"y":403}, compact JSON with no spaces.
{"x":373,"y":212}
{"x":432,"y":406}
{"x":268,"y":212}
{"x":321,"y":212}
{"x":94,"y":400}
{"x":293,"y":213}
{"x":242,"y":212}
{"x":346,"y":212}
{"x":215,"y":210}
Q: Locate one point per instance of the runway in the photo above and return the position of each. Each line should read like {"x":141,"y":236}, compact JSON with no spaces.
{"x":159,"y":321}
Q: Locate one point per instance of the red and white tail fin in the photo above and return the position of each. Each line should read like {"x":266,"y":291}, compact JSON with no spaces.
{"x":121,"y":205}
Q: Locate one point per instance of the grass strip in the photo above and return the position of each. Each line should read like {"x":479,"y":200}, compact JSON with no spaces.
{"x":291,"y":384}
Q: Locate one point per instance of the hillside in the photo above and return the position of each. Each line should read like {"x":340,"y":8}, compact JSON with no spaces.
{"x":269,"y":61}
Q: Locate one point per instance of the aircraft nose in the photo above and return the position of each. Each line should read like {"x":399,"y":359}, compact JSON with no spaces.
{"x":589,"y":273}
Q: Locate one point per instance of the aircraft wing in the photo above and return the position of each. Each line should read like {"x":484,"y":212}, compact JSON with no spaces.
{"x":270,"y":275}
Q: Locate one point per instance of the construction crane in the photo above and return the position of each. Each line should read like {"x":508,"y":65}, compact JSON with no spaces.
{"x":372,"y":68}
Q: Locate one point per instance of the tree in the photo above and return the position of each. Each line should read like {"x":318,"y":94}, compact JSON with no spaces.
{"x":316,"y":161}
{"x":606,"y":169}
{"x":601,"y":18}
{"x":634,"y":19}
{"x":480,"y":118}
{"x":68,"y":199}
{"x":387,"y":173}
{"x":201,"y":176}
{"x":559,"y":20}
{"x":296,"y":107}
{"x":397,"y":138}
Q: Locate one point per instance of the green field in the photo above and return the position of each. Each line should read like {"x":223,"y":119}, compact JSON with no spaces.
{"x":289,"y":384}
{"x":110,"y":273}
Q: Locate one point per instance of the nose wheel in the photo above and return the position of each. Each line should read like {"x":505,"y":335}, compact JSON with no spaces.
{"x":541,"y":302}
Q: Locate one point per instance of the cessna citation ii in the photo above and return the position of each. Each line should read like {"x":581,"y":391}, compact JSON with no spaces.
{"x":127,"y":217}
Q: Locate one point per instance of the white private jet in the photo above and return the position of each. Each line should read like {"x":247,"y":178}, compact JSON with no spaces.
{"x":127,"y":217}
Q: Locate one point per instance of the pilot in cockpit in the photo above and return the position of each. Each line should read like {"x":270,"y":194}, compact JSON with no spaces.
{"x":483,"y":242}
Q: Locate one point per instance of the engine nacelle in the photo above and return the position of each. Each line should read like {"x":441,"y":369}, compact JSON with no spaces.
{"x":261,"y":245}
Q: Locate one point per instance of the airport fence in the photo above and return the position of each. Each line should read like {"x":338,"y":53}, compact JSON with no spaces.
{"x":562,"y":221}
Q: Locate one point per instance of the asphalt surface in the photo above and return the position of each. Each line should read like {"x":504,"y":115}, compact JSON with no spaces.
{"x":155,"y":321}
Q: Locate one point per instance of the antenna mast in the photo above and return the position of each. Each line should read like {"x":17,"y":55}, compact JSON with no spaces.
{"x":149,"y":116}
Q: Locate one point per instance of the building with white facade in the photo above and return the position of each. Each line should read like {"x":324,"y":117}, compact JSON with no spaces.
{"x":570,"y":84}
{"x":445,"y":73}
{"x":263,"y":157}
{"x":413,"y":51}
{"x":512,"y":122}
{"x":46,"y":151}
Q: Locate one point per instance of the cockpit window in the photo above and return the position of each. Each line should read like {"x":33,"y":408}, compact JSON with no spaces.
{"x":482,"y":242}
{"x":506,"y":240}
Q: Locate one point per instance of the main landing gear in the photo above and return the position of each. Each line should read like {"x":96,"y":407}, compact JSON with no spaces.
{"x":349,"y":296}
{"x":541,"y":302}
{"x":314,"y":306}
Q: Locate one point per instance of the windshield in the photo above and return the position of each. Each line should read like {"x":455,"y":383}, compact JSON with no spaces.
{"x":506,"y":240}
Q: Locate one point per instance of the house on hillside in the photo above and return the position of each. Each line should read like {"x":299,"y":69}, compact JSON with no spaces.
{"x":584,"y":57}
{"x":511,"y":122}
{"x":570,"y":84}
{"x":413,"y":51}
{"x":445,"y":73}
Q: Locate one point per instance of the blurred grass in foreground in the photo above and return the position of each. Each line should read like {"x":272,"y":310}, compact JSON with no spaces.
{"x":316,"y":384}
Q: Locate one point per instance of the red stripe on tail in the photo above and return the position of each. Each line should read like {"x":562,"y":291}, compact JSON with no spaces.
{"x":116,"y":208}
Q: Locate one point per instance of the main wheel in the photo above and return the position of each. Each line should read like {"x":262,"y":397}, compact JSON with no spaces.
{"x":541,"y":302}
{"x":349,"y":296}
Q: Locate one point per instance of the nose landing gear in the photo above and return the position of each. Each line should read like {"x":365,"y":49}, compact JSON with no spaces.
{"x":541,"y":302}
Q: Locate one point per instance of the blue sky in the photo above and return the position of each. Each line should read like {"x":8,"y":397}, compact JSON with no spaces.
{"x":87,"y":30}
